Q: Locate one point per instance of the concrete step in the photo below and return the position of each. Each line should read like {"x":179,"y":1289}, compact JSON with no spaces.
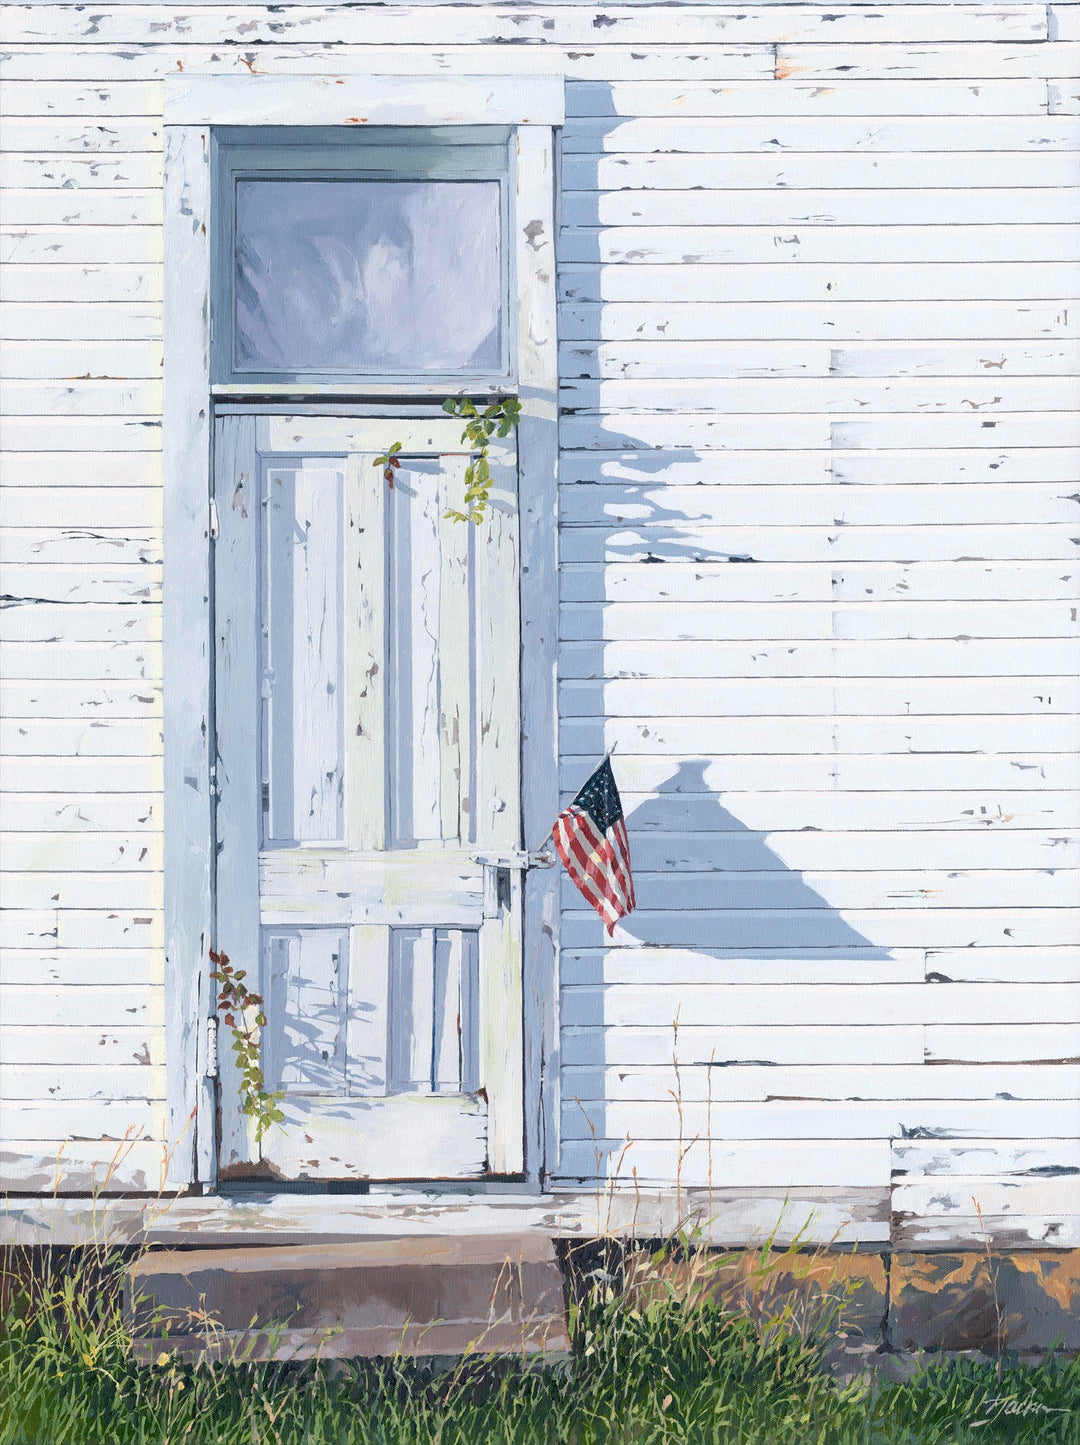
{"x":445,"y":1295}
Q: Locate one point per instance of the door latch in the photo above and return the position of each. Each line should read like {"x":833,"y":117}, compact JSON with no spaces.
{"x":517,"y":860}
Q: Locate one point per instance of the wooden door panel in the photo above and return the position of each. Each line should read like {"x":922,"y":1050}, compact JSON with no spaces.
{"x":303,"y":623}
{"x":368,"y":740}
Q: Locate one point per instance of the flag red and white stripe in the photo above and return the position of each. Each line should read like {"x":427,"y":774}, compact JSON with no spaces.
{"x":590,"y":838}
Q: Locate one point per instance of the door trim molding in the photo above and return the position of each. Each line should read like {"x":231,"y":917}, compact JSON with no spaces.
{"x":192,"y":105}
{"x":363,"y":99}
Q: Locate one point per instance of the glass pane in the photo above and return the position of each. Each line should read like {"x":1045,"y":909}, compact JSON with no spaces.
{"x":367,"y":276}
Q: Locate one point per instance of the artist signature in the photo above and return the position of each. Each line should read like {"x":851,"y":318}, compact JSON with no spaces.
{"x":1005,"y":1405}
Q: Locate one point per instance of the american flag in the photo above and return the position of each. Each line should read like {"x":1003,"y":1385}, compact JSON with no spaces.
{"x":590,"y":838}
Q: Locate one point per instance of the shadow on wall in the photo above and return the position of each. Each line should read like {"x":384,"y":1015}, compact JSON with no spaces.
{"x":706,"y":884}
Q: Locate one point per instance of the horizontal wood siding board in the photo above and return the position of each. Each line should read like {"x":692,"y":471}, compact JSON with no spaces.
{"x":159,"y":24}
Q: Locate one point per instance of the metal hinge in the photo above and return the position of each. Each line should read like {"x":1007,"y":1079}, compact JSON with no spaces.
{"x":211,"y":1070}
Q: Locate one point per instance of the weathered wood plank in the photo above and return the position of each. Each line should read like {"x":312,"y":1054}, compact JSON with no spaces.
{"x":76,"y":135}
{"x":44,"y":469}
{"x":89,"y":1006}
{"x":89,"y":738}
{"x":728,"y":1217}
{"x":810,"y":171}
{"x":889,"y":752}
{"x":122,"y":1083}
{"x":137,"y":170}
{"x":83,"y":433}
{"x":734,"y":851}
{"x":715,"y":888}
{"x":840,"y":133}
{"x":46,"y":622}
{"x":117,"y":585}
{"x":65,"y":850}
{"x":37,"y":207}
{"x":719,"y":1045}
{"x":939,"y":396}
{"x":890,"y":466}
{"x":844,"y":505}
{"x":696,"y":1163}
{"x":772,"y":582}
{"x":698,"y":812}
{"x":79,"y":245}
{"x":782,"y":928}
{"x":959,"y":965}
{"x":81,"y":507}
{"x":1036,"y":1043}
{"x":91,"y":702}
{"x":1002,"y":1156}
{"x":1059,"y":58}
{"x":816,"y":966}
{"x":76,"y":546}
{"x":1012,"y":1214}
{"x":110,"y":891}
{"x":97,"y":662}
{"x":105,"y":812}
{"x":642,"y":99}
{"x":809,"y":320}
{"x":800,"y":432}
{"x":73,"y":928}
{"x":85,"y":1045}
{"x":774,"y":359}
{"x":853,"y":773}
{"x":114,"y":1165}
{"x":654,"y":1005}
{"x":83,"y":398}
{"x":107,"y":1119}
{"x":775,"y":246}
{"x":249,"y":25}
{"x":82,"y":775}
{"x":912,"y":1085}
{"x":70,"y":99}
{"x":806,"y":281}
{"x":1050,"y":659}
{"x":941,"y":1119}
{"x":682,"y":621}
{"x":79,"y":363}
{"x":667,"y":536}
{"x":46,"y":321}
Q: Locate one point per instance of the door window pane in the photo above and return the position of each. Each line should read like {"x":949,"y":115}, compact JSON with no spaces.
{"x":367,"y":276}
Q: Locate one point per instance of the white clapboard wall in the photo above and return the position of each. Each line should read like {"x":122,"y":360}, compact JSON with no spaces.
{"x":820,"y":525}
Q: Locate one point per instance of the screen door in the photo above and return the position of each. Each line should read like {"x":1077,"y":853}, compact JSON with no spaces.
{"x":368,"y":817}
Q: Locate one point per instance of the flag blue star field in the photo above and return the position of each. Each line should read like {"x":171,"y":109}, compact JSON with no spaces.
{"x":590,"y":838}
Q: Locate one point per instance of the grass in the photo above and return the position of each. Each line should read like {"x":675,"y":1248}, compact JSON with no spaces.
{"x":656,"y":1361}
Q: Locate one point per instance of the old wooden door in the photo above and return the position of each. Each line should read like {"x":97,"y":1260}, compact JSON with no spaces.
{"x":368,"y":815}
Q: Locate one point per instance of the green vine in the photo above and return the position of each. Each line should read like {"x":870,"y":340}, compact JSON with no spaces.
{"x":234,"y":1001}
{"x":497,"y":420}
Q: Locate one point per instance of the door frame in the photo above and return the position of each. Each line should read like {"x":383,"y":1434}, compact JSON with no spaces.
{"x":194,"y":104}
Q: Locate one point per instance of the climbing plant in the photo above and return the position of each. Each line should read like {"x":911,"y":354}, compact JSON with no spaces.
{"x":234,"y":1002}
{"x":497,"y":420}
